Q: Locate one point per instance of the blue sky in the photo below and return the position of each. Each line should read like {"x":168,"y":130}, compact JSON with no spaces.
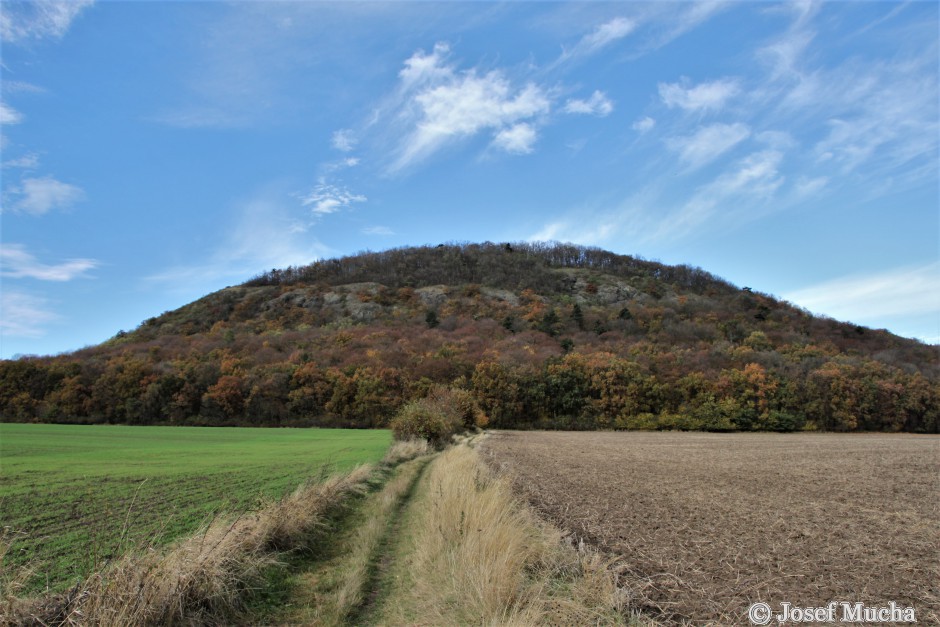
{"x":154,"y":152}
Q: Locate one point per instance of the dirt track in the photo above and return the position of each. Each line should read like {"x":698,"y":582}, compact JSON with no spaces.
{"x":703,"y":525}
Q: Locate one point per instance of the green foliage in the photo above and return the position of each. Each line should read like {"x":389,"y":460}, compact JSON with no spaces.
{"x":444,"y":412}
{"x":549,"y":322}
{"x":426,"y":419}
{"x":578,"y":316}
{"x":715,"y":415}
{"x":778,"y":420}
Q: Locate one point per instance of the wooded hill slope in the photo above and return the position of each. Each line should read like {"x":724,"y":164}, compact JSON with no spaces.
{"x":544,"y":335}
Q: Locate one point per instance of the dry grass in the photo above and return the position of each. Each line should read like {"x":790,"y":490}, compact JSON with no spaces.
{"x":333,"y":591}
{"x":201,"y":580}
{"x":703,"y":525}
{"x":478,"y":556}
{"x":405,"y":450}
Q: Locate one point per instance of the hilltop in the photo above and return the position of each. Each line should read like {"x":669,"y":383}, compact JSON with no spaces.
{"x":544,"y":335}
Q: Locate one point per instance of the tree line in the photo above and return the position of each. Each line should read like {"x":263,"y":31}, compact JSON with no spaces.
{"x":546,"y":336}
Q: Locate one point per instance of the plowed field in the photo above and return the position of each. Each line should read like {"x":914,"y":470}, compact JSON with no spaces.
{"x":703,"y":525}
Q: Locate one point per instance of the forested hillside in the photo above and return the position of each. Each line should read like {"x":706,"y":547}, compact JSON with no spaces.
{"x":544,"y":335}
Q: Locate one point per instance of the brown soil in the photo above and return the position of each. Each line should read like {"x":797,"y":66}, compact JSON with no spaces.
{"x":702,"y":525}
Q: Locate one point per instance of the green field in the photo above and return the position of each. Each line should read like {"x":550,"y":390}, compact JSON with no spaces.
{"x":75,"y":496}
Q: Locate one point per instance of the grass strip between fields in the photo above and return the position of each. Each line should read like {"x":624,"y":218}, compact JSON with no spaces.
{"x":469,"y":553}
{"x":342,"y":586}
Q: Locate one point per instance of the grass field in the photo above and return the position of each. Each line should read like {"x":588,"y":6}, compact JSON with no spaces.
{"x":74,"y":495}
{"x":702,"y":525}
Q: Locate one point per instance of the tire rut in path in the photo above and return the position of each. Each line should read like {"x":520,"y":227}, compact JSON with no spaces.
{"x":384,"y":557}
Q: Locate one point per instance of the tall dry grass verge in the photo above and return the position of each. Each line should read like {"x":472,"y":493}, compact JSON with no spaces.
{"x":479,"y":556}
{"x":404,"y":450}
{"x":203,"y":579}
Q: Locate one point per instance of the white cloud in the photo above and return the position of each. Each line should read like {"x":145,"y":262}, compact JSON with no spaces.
{"x":326,"y":199}
{"x":779,"y":140}
{"x":783,"y":55}
{"x":604,"y":35}
{"x":12,"y":87}
{"x":343,"y":140}
{"x":377,"y":230}
{"x":600,"y":37}
{"x":752,"y":181}
{"x":702,"y":97}
{"x":16,"y":263}
{"x":597,"y":230}
{"x":28,"y":161}
{"x":334,"y":166}
{"x":40,"y":195}
{"x":518,"y":139}
{"x":24,"y":315}
{"x":598,"y":104}
{"x":708,"y":143}
{"x":421,"y":68}
{"x":442,"y":106}
{"x":696,"y":13}
{"x":9,"y":115}
{"x":644,"y":125}
{"x":549,"y":233}
{"x":264,"y":234}
{"x":878,"y":113}
{"x":807,"y":187}
{"x":38,"y":19}
{"x":904,"y":291}
{"x":756,"y":175}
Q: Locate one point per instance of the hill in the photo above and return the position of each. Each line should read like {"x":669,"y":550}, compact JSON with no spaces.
{"x":544,"y":335}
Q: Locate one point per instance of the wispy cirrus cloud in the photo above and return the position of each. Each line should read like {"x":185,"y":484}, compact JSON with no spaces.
{"x":870,"y":123}
{"x":326,"y":198}
{"x":644,"y":124}
{"x":749,"y":183}
{"x":264,"y":233}
{"x":28,"y":161}
{"x":876,"y":116}
{"x":708,"y":143}
{"x":704,"y":97}
{"x":378,"y":230}
{"x":39,"y":195}
{"x":343,"y":140}
{"x":39,"y":19}
{"x":904,"y":291}
{"x":22,"y":87}
{"x":17,"y":263}
{"x":24,"y":315}
{"x":602,"y":36}
{"x":9,"y":115}
{"x":598,"y":104}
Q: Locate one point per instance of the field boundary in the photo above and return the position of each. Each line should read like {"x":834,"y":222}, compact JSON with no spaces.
{"x":471,"y":553}
{"x":205,"y":578}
